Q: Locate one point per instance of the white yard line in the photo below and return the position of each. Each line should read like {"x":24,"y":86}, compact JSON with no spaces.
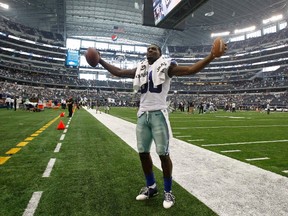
{"x":246,"y":143}
{"x":219,"y":127}
{"x":227,"y":186}
{"x":33,"y":203}
{"x":183,"y":136}
{"x":57,"y":149}
{"x":195,"y":140}
{"x":62,"y":137}
{"x":228,"y":151}
{"x":49,"y":167}
{"x":257,"y":159}
{"x":233,"y":117}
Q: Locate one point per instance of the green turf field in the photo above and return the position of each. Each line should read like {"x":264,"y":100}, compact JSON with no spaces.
{"x":96,"y":173}
{"x":247,"y":135}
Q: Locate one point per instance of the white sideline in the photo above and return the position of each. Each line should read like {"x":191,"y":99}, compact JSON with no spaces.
{"x":227,"y":186}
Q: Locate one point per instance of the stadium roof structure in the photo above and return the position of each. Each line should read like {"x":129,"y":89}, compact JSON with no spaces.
{"x":103,"y":18}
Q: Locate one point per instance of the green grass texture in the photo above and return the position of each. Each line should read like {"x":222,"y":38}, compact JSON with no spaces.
{"x":254,"y":134}
{"x":95,"y":172}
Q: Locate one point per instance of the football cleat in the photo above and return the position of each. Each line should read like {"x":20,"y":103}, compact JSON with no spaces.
{"x":169,"y":199}
{"x":147,"y":193}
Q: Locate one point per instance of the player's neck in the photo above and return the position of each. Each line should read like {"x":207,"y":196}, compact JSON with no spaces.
{"x":151,"y":61}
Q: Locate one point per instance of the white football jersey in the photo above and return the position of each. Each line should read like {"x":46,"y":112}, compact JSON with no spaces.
{"x":154,"y":98}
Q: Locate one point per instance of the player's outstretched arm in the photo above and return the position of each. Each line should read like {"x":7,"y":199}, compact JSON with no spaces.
{"x":126,"y":73}
{"x":218,"y":49}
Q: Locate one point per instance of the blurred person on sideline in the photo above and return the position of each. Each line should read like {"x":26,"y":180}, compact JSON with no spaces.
{"x":15,"y":103}
{"x":69,"y":104}
{"x":268,"y":108}
{"x":8,"y":102}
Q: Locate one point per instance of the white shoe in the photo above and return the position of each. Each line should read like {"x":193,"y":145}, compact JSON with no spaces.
{"x":169,"y":200}
{"x":147,"y":192}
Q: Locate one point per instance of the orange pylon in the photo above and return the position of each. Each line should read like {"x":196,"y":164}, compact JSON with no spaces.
{"x":61,"y":126}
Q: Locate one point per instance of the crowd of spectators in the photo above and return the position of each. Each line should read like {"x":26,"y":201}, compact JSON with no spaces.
{"x":238,"y":46}
{"x":43,"y":93}
{"x":238,"y":78}
{"x":49,"y":79}
{"x":25,"y":32}
{"x":278,"y":80}
{"x":244,"y":101}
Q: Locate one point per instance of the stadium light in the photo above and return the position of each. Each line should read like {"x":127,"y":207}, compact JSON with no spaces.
{"x":209,"y":14}
{"x":220,"y":34}
{"x":5,"y":6}
{"x":136,"y":5}
{"x":251,"y":28}
{"x":273,"y":19}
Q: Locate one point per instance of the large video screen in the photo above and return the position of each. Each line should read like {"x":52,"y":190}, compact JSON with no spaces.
{"x":161,"y":8}
{"x":72,"y":58}
{"x":169,"y":14}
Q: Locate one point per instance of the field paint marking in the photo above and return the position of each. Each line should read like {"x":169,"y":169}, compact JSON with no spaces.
{"x":255,"y":159}
{"x":183,"y":136}
{"x":62,"y":137}
{"x":13,"y":151}
{"x":192,"y":117}
{"x":34,"y":135}
{"x":233,"y":117}
{"x":57,"y":149}
{"x":228,"y":151}
{"x":196,"y":140}
{"x":245,"y":143}
{"x":285,"y":171}
{"x":197,"y":120}
{"x":29,"y":138}
{"x":4,"y":159}
{"x":67,"y":126}
{"x":215,"y":179}
{"x":212,"y":127}
{"x":33,"y":203}
{"x":22,"y":143}
{"x":65,"y":131}
{"x":49,"y":167}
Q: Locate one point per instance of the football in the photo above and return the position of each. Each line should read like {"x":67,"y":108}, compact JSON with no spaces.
{"x":92,"y":56}
{"x":219,"y":47}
